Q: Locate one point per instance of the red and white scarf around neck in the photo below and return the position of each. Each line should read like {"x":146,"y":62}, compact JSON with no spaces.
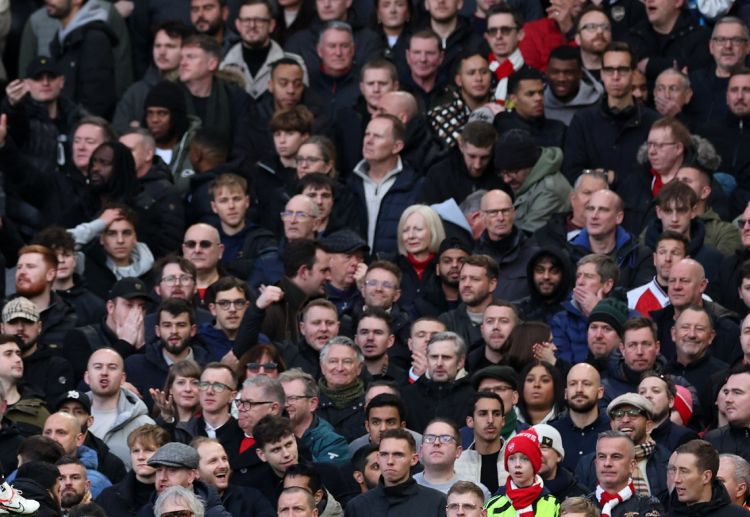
{"x":608,"y":501}
{"x":504,"y":70}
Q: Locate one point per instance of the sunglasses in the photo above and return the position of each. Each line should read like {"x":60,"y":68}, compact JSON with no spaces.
{"x":201,"y":244}
{"x":178,"y":513}
{"x":255,"y":367}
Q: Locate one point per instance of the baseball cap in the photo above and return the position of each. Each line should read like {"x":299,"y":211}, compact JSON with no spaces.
{"x":20,"y":307}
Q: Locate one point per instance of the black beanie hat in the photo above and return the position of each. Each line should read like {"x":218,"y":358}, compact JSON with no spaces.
{"x":171,"y":96}
{"x":516,"y":150}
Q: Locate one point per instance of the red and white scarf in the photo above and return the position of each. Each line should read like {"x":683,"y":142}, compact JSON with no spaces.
{"x":608,"y":501}
{"x":523,"y":499}
{"x":502,"y":71}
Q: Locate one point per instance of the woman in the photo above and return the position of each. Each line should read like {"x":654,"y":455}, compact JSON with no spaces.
{"x":520,"y":345}
{"x":420,"y":232}
{"x":542,"y":394}
{"x":180,"y":399}
{"x":524,"y":494}
{"x":261,"y":360}
{"x":316,"y":154}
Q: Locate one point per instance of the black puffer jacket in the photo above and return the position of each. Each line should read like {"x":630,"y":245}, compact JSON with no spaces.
{"x":405,"y":500}
{"x":719,"y":506}
{"x":730,"y":440}
{"x":427,"y":399}
{"x":161,"y":216}
{"x":512,"y":255}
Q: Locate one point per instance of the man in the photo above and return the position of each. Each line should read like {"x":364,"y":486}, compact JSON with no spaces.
{"x":199,"y":61}
{"x":730,"y":276}
{"x":661,"y":390}
{"x":44,"y":370}
{"x":687,"y":283}
{"x":420,"y":333}
{"x":734,"y":472}
{"x":728,"y":438}
{"x":202,"y":246}
{"x":668,"y":143}
{"x":584,"y":421}
{"x":729,"y":48}
{"x":549,"y":276}
{"x":604,"y":234}
{"x":593,"y":35}
{"x":165,"y":53}
{"x":35,"y":275}
{"x":615,"y":493}
{"x":64,"y":429}
{"x":306,"y":476}
{"x":159,"y":202}
{"x":455,"y":32}
{"x":315,"y":434}
{"x":506,"y":243}
{"x":498,"y":321}
{"x":441,"y":292}
{"x":122,"y":328}
{"x":479,"y":461}
{"x":214,"y":470}
{"x":116,"y":410}
{"x":209,"y":17}
{"x":374,"y":338}
{"x":397,"y":455}
{"x":84,"y":48}
{"x":296,"y":501}
{"x":502,"y":381}
{"x":504,"y":32}
{"x":533,"y":174}
{"x":465,"y":498}
{"x":175,"y":333}
{"x":670,"y":248}
{"x":335,"y":76}
{"x":686,"y":41}
{"x":466,"y":168}
{"x":473,"y":81}
{"x":177,"y":464}
{"x":347,"y":251}
{"x":227,"y":299}
{"x":693,"y":335}
{"x":596,"y":276}
{"x":477,"y":281}
{"x":571,"y":87}
{"x":440,"y":393}
{"x":438,"y":454}
{"x":584,"y":151}
{"x":117,"y":254}
{"x":23,"y":406}
{"x":640,"y":353}
{"x":566,"y":226}
{"x":253,"y":55}
{"x":299,"y":217}
{"x":720,"y":234}
{"x":526,"y":95}
{"x":75,"y":487}
{"x":557,"y":479}
{"x":383,"y":185}
{"x":633,"y":415}
{"x":77,"y":404}
{"x":423,"y":77}
{"x":382,"y":412}
{"x":672,"y":94}
{"x":260,"y":396}
{"x":696,"y":484}
{"x":278,"y":450}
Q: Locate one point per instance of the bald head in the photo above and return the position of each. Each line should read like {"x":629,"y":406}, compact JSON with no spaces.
{"x":610,"y":197}
{"x":65,"y":430}
{"x":583,"y":388}
{"x":499,"y":214}
{"x":687,"y":282}
{"x":399,"y":104}
{"x":105,"y":356}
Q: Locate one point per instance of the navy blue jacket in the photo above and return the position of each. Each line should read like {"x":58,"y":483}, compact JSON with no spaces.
{"x":579,"y":442}
{"x":402,"y":194}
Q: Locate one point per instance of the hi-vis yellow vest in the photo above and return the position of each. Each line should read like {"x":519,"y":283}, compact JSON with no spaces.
{"x":500,"y":506}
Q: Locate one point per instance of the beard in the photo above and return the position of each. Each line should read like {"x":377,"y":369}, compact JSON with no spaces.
{"x":175,"y":349}
{"x":582,"y":407}
{"x":71,"y":499}
{"x":32,"y":289}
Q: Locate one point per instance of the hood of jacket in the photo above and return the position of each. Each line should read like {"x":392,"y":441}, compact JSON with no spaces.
{"x":549,"y":163}
{"x":35,"y":491}
{"x":89,"y":12}
{"x":143,"y":261}
{"x":626,"y":246}
{"x":719,"y":499}
{"x":129,"y":407}
{"x":566,"y":269}
{"x":88,"y":457}
{"x":589,"y":92}
{"x":697,"y":235}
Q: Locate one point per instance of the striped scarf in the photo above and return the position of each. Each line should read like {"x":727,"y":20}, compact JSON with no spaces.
{"x":643,"y":451}
{"x":608,"y":501}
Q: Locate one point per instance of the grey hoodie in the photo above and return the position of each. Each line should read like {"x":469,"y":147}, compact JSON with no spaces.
{"x":90,"y":12}
{"x":588,"y":94}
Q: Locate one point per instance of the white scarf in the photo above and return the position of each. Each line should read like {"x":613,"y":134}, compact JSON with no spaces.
{"x":623,"y":495}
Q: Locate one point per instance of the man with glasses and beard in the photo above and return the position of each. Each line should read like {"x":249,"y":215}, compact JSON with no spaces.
{"x":175,"y":328}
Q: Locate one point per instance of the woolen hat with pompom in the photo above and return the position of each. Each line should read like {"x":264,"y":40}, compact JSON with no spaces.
{"x":525,"y":442}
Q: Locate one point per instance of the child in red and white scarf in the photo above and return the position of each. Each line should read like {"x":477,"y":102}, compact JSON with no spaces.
{"x":523,"y":459}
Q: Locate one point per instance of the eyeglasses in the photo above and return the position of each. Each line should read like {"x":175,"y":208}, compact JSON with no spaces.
{"x":591,"y":27}
{"x":377,"y":283}
{"x":239,"y":303}
{"x":173,"y":280}
{"x":505,"y":31}
{"x":455,"y":507}
{"x":204,"y":245}
{"x":442,"y":438}
{"x":247,"y":405}
{"x":741,"y":223}
{"x":255,"y":367}
{"x":494,"y":212}
{"x":178,"y":513}
{"x":288,"y":214}
{"x":309,"y":159}
{"x":735,"y":42}
{"x":659,"y":145}
{"x":254,"y":21}
{"x":218,"y":387}
{"x":619,"y":413}
{"x":622,"y":70}
{"x":293,"y":399}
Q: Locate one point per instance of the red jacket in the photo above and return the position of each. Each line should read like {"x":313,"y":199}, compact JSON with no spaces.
{"x":541,"y":37}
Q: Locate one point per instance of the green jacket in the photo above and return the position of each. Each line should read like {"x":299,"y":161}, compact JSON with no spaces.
{"x":722,"y":235}
{"x":544,"y":193}
{"x":500,"y":505}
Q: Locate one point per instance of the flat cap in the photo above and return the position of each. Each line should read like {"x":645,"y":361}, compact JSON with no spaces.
{"x":175,"y":454}
{"x":344,"y":241}
{"x":632,"y":399}
{"x":497,"y":372}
